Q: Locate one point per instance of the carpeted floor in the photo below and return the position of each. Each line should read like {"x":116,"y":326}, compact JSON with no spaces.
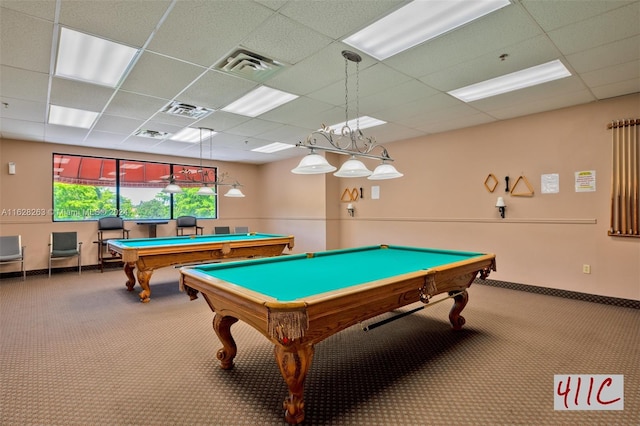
{"x":83,"y":351}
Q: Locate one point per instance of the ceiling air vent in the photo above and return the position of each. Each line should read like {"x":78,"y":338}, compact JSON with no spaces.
{"x":186,"y":110}
{"x":249,"y":65}
{"x":153,"y":134}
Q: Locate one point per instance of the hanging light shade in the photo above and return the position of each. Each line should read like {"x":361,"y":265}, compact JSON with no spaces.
{"x":385,"y":171}
{"x":234,"y":192}
{"x":353,"y":168}
{"x":312,"y":164}
{"x":172,"y":188}
{"x":205,"y":190}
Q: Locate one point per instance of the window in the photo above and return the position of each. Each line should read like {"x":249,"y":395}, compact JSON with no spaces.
{"x":87,"y":188}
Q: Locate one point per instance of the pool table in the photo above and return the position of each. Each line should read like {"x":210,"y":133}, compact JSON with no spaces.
{"x":148,"y":254}
{"x":296,"y":301}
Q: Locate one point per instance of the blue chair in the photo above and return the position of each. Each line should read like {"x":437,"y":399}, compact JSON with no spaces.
{"x":12,"y":251}
{"x":221,"y":230}
{"x":242,"y":230}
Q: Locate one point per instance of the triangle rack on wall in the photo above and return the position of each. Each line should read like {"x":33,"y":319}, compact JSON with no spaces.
{"x":529,"y":193}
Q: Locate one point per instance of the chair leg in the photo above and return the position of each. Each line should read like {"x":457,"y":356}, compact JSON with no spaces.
{"x":24,"y":271}
{"x":79,"y":265}
{"x":49,"y":266}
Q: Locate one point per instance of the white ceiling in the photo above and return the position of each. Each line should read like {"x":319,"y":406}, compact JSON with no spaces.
{"x":181,"y":41}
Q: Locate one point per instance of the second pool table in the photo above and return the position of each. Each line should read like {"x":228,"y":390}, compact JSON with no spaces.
{"x":296,"y":301}
{"x":148,"y":254}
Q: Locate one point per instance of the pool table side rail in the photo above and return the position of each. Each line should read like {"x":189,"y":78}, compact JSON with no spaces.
{"x":132,"y":254}
{"x":328,"y":313}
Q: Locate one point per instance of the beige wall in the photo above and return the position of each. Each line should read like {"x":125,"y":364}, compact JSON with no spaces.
{"x":441,"y":202}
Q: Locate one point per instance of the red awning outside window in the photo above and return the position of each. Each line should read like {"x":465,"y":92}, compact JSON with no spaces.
{"x":102,"y":172}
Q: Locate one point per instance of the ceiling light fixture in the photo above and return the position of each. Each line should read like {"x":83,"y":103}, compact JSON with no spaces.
{"x":273,"y":147}
{"x":418,"y":22}
{"x":206,"y":178}
{"x":95,"y":60}
{"x":356,"y":145}
{"x":528,"y":77}
{"x":259,"y":101}
{"x":71,"y":117}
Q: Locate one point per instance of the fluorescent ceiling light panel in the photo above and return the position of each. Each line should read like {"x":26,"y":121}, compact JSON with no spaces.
{"x":365,"y":122}
{"x":538,"y":74}
{"x":189,"y":134}
{"x":417,"y":22}
{"x":71,"y":117}
{"x":259,"y":101}
{"x":92,"y":59}
{"x":273,"y":147}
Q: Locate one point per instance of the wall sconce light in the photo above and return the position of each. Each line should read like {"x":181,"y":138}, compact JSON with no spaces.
{"x":12,"y":168}
{"x":501,"y":206}
{"x":350,"y":209}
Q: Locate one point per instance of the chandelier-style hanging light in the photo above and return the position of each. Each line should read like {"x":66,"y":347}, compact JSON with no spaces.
{"x":349,"y":141}
{"x":203,"y":177}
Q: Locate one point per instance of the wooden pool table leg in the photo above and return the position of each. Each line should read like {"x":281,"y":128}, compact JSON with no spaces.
{"x":294,"y":362}
{"x":129,"y":267}
{"x":144,"y":276}
{"x":460,"y":301}
{"x":222,"y":327}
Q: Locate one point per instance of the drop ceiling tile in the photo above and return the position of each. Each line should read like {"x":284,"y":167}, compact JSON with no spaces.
{"x":21,"y":130}
{"x":313,"y":73}
{"x":25,"y":41}
{"x":160,"y":76}
{"x":392,"y":132}
{"x":552,"y":15}
{"x":617,"y":89}
{"x":302,"y":112}
{"x":65,"y":135}
{"x":503,"y":28}
{"x":124,"y":21}
{"x":79,"y":95}
{"x":253,"y":127}
{"x":23,"y":110}
{"x":117,"y":125}
{"x":412,"y":90}
{"x":597,"y":31}
{"x":533,"y":97}
{"x":222,"y":121}
{"x":286,"y":134}
{"x":604,"y":56}
{"x":613,"y":74}
{"x":132,"y":105}
{"x":216,"y":90}
{"x":45,"y":9}
{"x":106,"y":140}
{"x":22,"y":84}
{"x":286,"y":40}
{"x":531,"y":52}
{"x":203,"y":31}
{"x":544,"y":104}
{"x":372,"y":80}
{"x":346,"y":17}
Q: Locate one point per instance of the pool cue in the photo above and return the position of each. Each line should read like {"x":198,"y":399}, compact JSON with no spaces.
{"x":623,"y":181}
{"x":634,"y":183}
{"x":404,"y":314}
{"x":617,"y":169}
{"x":613,"y":185}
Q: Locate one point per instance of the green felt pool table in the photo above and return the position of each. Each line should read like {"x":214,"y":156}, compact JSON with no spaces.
{"x":148,"y":254}
{"x":298,"y":300}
